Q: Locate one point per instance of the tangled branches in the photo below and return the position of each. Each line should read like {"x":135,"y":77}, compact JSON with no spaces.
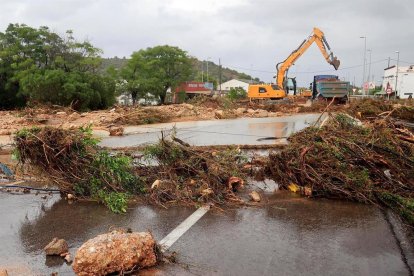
{"x":343,"y":160}
{"x":72,"y":160}
{"x":189,"y":176}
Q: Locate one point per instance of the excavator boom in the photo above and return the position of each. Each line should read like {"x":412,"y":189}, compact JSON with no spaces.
{"x":278,"y":90}
{"x":319,"y":38}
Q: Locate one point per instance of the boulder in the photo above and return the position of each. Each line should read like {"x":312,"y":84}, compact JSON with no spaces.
{"x":61,"y":113}
{"x":56,"y":247}
{"x":116,"y":251}
{"x":116,"y":131}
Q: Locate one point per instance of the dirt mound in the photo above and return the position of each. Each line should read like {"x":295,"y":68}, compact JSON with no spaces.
{"x":372,"y":164}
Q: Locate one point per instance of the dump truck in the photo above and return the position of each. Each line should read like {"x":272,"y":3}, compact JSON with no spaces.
{"x":330,"y":86}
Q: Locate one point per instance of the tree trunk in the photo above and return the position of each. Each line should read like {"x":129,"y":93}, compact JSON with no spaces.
{"x":162,"y":97}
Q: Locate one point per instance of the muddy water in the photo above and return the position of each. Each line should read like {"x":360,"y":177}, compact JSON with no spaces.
{"x":290,"y":236}
{"x":243,"y":131}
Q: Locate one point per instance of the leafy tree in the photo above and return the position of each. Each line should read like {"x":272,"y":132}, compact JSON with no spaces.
{"x":39,"y":65}
{"x":237,"y":93}
{"x":155,"y":70}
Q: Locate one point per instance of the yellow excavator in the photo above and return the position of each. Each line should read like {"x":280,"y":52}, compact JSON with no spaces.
{"x":280,"y":89}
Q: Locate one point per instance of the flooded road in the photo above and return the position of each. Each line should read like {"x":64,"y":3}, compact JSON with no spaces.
{"x":290,"y":236}
{"x":243,"y":131}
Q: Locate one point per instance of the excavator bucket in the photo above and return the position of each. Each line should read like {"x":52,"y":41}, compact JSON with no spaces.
{"x":335,"y":62}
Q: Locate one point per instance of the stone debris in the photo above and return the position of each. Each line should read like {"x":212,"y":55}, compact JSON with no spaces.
{"x":116,"y":131}
{"x":117,"y":251}
{"x":56,"y":247}
{"x":254,"y":196}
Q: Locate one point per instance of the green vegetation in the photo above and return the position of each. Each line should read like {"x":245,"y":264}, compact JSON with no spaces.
{"x":237,"y":93}
{"x":38,"y":65}
{"x":155,"y":70}
{"x":74,"y":162}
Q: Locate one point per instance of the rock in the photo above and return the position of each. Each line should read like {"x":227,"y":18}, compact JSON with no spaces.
{"x":116,"y":131}
{"x":250,"y":111}
{"x":61,"y":113}
{"x":68,"y":258}
{"x":70,"y":197}
{"x":56,"y":247}
{"x":240,"y":110}
{"x":262,"y":113}
{"x":116,"y":251}
{"x":219,"y":114}
{"x":254,"y":196}
{"x":3,"y":272}
{"x":156,"y":184}
{"x":112,"y":110}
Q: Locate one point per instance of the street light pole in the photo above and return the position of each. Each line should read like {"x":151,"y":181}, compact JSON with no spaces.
{"x":365,"y":51}
{"x":369,"y":68}
{"x":396,"y":74}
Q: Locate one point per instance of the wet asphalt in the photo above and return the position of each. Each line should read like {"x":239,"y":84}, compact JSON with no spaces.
{"x":291,"y":235}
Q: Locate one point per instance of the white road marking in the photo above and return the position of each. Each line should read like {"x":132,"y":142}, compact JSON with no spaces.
{"x":180,"y":230}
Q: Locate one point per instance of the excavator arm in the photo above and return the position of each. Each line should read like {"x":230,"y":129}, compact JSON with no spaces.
{"x":319,"y":38}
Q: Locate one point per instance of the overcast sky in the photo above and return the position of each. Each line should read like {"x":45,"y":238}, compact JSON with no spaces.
{"x":248,"y":35}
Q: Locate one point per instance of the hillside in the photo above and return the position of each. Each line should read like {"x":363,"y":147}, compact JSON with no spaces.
{"x":213,"y":70}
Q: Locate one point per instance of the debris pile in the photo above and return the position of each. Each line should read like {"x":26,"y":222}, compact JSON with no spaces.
{"x":141,"y":116}
{"x":192,"y":176}
{"x":372,"y":163}
{"x":117,"y":251}
{"x":372,"y":108}
{"x":74,"y":162}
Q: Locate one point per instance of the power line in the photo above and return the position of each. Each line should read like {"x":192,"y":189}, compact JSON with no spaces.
{"x":411,"y":63}
{"x":307,"y":72}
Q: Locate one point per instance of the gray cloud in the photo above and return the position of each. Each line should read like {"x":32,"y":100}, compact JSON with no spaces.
{"x":250,"y":34}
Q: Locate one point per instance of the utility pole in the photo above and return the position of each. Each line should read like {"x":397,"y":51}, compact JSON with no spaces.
{"x":363,"y":74}
{"x":207,"y":68}
{"x":202,"y":71}
{"x":396,"y":74}
{"x":389,"y":58}
{"x":219,"y":77}
{"x":369,"y":68}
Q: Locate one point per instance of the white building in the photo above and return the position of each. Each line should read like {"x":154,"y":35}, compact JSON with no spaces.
{"x":405,"y":81}
{"x":226,"y":86}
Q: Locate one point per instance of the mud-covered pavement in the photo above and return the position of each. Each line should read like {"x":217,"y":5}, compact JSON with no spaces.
{"x":246,"y":131}
{"x":289,"y":236}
